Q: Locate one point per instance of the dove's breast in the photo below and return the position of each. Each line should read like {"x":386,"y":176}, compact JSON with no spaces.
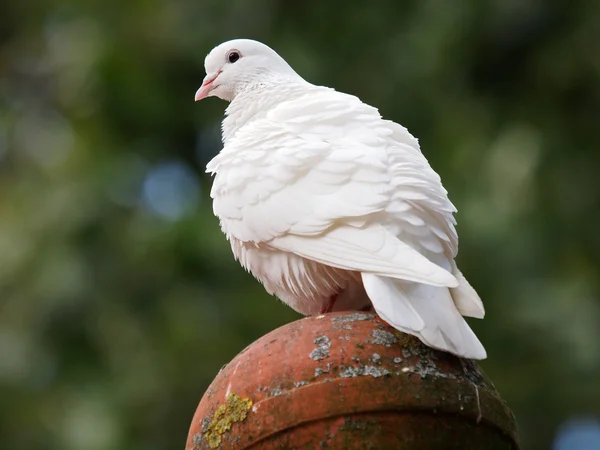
{"x":256,"y":197}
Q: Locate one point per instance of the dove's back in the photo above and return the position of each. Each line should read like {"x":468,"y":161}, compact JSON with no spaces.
{"x":323,"y":199}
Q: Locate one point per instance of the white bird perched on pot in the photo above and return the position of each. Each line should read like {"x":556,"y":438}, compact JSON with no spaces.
{"x":332,"y":207}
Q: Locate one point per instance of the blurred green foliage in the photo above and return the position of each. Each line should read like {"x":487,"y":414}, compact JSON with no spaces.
{"x":119,"y":297}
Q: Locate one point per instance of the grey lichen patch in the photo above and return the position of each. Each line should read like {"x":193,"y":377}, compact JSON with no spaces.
{"x":322,"y":351}
{"x":354,"y":317}
{"x":300,"y":383}
{"x":322,"y":340}
{"x":397,"y":360}
{"x":376,"y":371}
{"x":376,"y":358}
{"x":351,"y":371}
{"x":382,"y":337}
{"x":210,"y":391}
{"x":320,"y":370}
{"x":197,"y":440}
{"x":275,"y":392}
{"x":204,"y":423}
{"x":234,"y":410}
{"x":427,"y":368}
{"x":421,"y":350}
{"x":359,"y":425}
{"x":472,"y":372}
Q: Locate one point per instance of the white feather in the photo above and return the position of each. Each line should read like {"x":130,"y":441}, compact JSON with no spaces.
{"x":426,"y":312}
{"x":366,"y":250}
{"x":465,"y":298}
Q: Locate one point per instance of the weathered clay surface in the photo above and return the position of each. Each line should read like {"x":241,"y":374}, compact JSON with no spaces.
{"x":349,"y":381}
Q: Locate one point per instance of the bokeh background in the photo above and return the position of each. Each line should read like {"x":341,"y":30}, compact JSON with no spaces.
{"x":119,"y":297}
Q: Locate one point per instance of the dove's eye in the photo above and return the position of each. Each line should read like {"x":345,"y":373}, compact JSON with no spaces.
{"x":233,"y":56}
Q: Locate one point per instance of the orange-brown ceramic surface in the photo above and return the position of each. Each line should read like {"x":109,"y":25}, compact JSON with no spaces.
{"x":349,"y":381}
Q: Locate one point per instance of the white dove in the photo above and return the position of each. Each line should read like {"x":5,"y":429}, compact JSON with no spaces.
{"x":331,"y":206}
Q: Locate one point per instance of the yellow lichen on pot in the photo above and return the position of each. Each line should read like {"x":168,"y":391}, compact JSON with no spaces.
{"x":234,"y":410}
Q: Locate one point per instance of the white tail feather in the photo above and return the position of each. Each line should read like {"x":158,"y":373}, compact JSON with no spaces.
{"x":465,"y":298}
{"x":427,"y":312}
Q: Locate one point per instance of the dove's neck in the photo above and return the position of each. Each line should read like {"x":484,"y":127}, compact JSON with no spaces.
{"x":255,"y":102}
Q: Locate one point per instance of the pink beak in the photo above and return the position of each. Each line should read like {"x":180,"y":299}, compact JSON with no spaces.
{"x":207,"y":86}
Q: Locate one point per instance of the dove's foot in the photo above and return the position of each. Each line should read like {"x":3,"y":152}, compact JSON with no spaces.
{"x":329,"y":307}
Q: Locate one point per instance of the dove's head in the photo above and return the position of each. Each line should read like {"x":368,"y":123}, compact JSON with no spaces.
{"x":241,"y":64}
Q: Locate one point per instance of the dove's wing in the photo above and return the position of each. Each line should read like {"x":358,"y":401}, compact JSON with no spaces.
{"x":371,"y":249}
{"x":324,"y":177}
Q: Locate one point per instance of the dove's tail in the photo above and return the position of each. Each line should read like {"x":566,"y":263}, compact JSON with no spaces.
{"x":431,"y":313}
